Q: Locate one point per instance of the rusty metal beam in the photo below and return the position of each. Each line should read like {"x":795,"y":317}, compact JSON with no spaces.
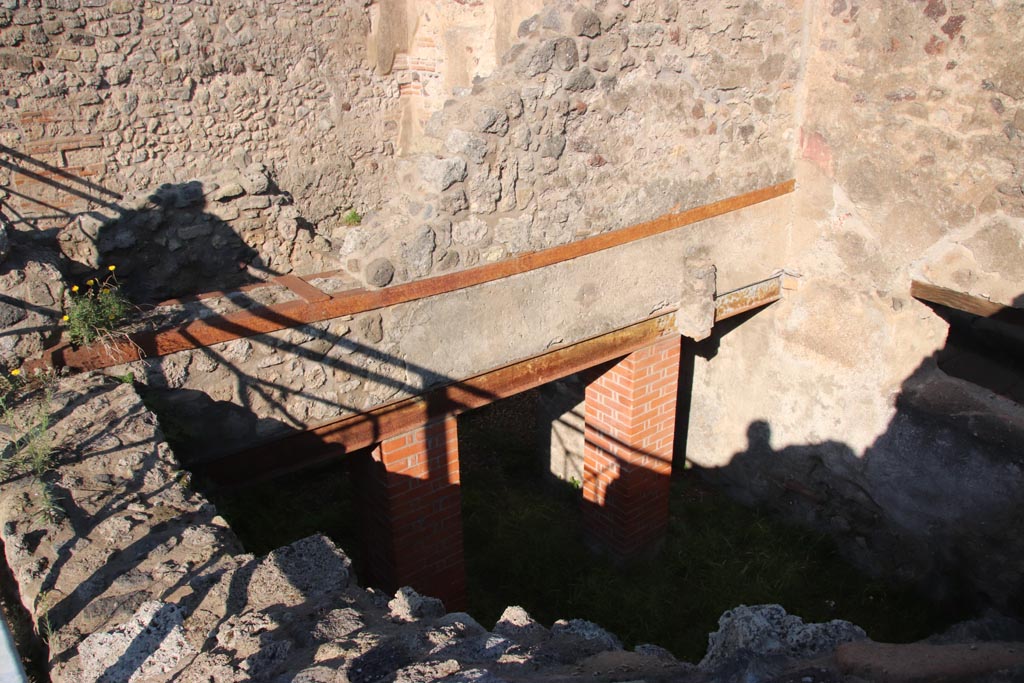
{"x":215,"y":330}
{"x":338,"y":437}
{"x":748,"y":298}
{"x":334,"y":439}
{"x":302,"y":288}
{"x":975,"y":305}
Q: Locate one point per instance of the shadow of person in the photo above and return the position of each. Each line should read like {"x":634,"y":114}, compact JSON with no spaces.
{"x":935,"y":500}
{"x":793,"y":472}
{"x":177,"y":242}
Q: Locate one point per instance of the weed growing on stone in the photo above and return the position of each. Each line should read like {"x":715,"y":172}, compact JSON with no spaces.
{"x":29,"y":448}
{"x":44,"y":627}
{"x":96,"y":309}
{"x":352,"y":217}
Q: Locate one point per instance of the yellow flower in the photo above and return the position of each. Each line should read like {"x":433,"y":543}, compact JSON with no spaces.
{"x":74,"y":288}
{"x":106,"y":291}
{"x":111,"y":317}
{"x":15,"y":372}
{"x":89,"y":283}
{"x":66,"y":318}
{"x":111,"y":268}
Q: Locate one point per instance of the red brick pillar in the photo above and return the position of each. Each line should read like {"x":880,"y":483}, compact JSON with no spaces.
{"x":409,"y":496}
{"x":627,"y":453}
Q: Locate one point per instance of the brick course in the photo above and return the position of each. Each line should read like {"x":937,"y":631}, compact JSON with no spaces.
{"x":412,"y":509}
{"x":629,"y":434}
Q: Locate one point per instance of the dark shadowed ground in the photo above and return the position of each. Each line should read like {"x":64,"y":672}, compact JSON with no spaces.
{"x":524,"y":545}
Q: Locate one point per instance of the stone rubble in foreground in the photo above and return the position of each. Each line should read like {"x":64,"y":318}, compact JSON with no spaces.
{"x":142,"y":580}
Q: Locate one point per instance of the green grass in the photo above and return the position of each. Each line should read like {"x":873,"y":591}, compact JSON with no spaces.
{"x":25,"y":413}
{"x":524,"y":546}
{"x":352,"y":218}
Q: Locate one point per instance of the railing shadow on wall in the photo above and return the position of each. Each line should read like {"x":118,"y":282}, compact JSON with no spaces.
{"x":164,"y":245}
{"x":56,"y":178}
{"x":31,"y":233}
{"x":277,"y":394}
{"x":67,"y":607}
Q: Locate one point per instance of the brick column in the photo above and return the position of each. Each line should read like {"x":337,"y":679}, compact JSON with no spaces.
{"x":627,"y":463}
{"x":411,"y":506}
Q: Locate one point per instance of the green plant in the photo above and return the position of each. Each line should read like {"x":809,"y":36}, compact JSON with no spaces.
{"x":44,"y":626}
{"x":126,"y":378}
{"x":49,"y":507}
{"x":97,"y":310}
{"x":352,"y":217}
{"x":29,"y":450}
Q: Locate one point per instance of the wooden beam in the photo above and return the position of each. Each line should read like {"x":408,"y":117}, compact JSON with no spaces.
{"x":338,"y":437}
{"x":218,"y":329}
{"x":967,"y":303}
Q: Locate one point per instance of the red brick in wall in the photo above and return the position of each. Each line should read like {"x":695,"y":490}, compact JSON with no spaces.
{"x":629,"y":434}
{"x":412,"y":507}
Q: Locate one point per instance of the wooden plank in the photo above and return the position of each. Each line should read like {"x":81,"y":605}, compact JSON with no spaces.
{"x":967,"y":303}
{"x":748,"y":298}
{"x":302,"y":288}
{"x":215,"y":330}
{"x":338,"y":437}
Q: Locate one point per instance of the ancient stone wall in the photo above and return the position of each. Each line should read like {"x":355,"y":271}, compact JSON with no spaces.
{"x":600,"y":117}
{"x":437,"y":48}
{"x":195,"y":145}
{"x":198,"y":146}
{"x":127,"y":96}
{"x":830,"y":404}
